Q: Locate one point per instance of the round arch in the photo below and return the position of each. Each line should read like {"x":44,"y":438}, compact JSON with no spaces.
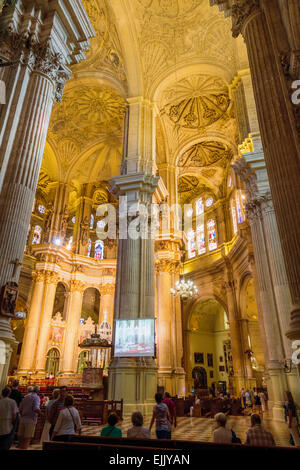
{"x":52,"y":361}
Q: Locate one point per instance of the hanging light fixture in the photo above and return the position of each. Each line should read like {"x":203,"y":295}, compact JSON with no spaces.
{"x":185,"y":289}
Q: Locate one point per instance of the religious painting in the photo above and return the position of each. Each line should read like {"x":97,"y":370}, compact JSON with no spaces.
{"x":199,"y":358}
{"x":56,"y":334}
{"x":210,"y":360}
{"x":9,"y":296}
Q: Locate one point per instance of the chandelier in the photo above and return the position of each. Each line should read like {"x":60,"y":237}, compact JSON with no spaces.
{"x":185,"y":289}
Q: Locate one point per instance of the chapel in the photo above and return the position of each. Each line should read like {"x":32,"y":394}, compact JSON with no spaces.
{"x":184,"y":107}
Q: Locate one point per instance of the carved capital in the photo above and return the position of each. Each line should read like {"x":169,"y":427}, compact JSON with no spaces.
{"x":167,"y":266}
{"x":241,"y":11}
{"x":108,"y":288}
{"x":253,"y":210}
{"x":51,"y":277}
{"x":77,"y":286}
{"x":38,"y":276}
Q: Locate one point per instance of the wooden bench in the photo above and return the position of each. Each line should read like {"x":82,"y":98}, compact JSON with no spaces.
{"x":149,"y":446}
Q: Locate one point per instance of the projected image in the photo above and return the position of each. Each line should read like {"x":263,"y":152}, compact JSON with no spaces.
{"x":134,"y":337}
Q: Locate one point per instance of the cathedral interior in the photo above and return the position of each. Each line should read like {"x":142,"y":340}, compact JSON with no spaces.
{"x":166,"y":103}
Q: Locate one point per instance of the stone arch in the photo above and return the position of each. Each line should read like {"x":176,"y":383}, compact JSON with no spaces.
{"x":53,"y":361}
{"x":91,"y":304}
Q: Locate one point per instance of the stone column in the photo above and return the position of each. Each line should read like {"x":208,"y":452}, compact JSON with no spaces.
{"x":262,"y":26}
{"x":7,"y":344}
{"x":239,"y":378}
{"x":41,"y":45}
{"x":51,"y":280}
{"x":69,"y":366}
{"x":26,"y":362}
{"x":107,"y":290}
{"x":135,"y":379}
{"x":82,"y":220}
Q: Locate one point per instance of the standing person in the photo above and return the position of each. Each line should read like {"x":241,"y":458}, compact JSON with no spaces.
{"x":46,"y":430}
{"x":221,"y":434}
{"x":111,"y":430}
{"x":56,"y":407}
{"x":172,"y":412}
{"x":29,"y":411}
{"x":8,"y":415}
{"x":291,"y":417}
{"x":15,"y":393}
{"x":257,"y":435}
{"x":248,"y":399}
{"x":68,"y":422}
{"x":17,"y":396}
{"x":243,"y":395}
{"x":161,"y":417}
{"x":257,"y":402}
{"x":138,"y":430}
{"x":262,"y":397}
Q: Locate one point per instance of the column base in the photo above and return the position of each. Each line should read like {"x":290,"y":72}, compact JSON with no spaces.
{"x":135,"y":381}
{"x":294,"y":331}
{"x":7,"y":344}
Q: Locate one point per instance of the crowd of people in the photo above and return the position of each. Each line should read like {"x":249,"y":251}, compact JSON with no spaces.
{"x":62,"y":419}
{"x":256,"y":399}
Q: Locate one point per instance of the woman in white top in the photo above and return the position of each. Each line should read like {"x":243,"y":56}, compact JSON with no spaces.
{"x":138,"y":430}
{"x":221,"y":434}
{"x":68,"y":421}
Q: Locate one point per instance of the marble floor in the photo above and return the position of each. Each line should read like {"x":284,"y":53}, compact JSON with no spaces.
{"x":200,"y":429}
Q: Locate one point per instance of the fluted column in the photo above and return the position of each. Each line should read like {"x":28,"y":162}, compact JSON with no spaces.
{"x":72,"y":327}
{"x":26,"y":362}
{"x":261,"y":24}
{"x":235,"y":333}
{"x":51,"y":280}
{"x":40,"y":40}
{"x":107,"y":290}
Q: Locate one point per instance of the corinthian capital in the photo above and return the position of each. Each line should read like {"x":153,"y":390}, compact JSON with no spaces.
{"x":107,"y":288}
{"x":167,"y":266}
{"x":77,"y":286}
{"x":241,"y":11}
{"x":51,"y":277}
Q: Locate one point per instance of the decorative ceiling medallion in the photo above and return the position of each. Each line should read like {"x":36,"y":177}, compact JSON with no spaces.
{"x":197,"y":102}
{"x":170,"y":8}
{"x":187,"y":183}
{"x":205,"y":154}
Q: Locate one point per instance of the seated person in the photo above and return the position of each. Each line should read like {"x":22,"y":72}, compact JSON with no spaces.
{"x":138,"y":430}
{"x":111,"y":430}
{"x":221,"y":434}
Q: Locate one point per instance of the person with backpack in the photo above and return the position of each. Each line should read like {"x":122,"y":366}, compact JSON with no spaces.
{"x":68,"y":422}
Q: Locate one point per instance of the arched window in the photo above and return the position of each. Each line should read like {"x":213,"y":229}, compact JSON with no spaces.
{"x":209,"y":202}
{"x":37,"y":234}
{"x":226,"y":322}
{"x":69,"y":245}
{"x":99,"y":249}
{"x":200,"y":239}
{"x":73,"y":220}
{"x":233,"y":214}
{"x":239,"y":209}
{"x":191,"y":244}
{"x":199,"y":206}
{"x":41,"y":209}
{"x":92,"y":222}
{"x":89,"y":248}
{"x":212,"y":237}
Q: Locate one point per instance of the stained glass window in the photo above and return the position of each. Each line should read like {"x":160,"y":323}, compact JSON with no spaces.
{"x":209,"y":202}
{"x":92,"y":222}
{"x":37,"y":234}
{"x":89,"y":247}
{"x":234,"y":222}
{"x":201,"y":240}
{"x":69,"y":245}
{"x":41,"y":209}
{"x":99,"y":249}
{"x":212,"y":237}
{"x":199,"y":206}
{"x":239,"y":209}
{"x":191,"y":244}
